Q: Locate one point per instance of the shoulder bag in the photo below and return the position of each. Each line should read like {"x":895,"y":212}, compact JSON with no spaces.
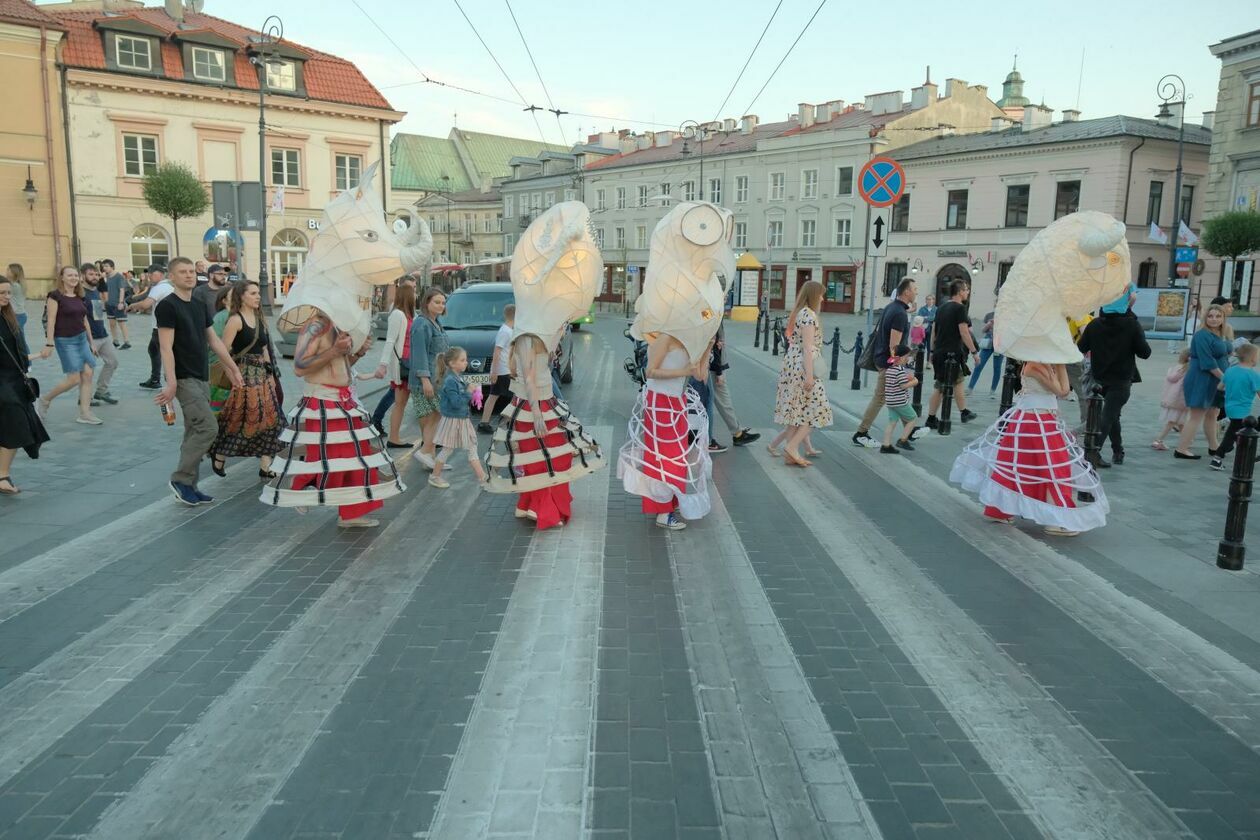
{"x":31,"y":383}
{"x":218,"y":373}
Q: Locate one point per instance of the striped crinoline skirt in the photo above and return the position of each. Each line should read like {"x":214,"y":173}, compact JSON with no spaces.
{"x":519,"y":461}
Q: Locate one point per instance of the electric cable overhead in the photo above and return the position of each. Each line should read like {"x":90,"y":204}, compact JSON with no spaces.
{"x":532,"y":109}
{"x":554,"y":110}
{"x":748,"y":110}
{"x":747,"y":61}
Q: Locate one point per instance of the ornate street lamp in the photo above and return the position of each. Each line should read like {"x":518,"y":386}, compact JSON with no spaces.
{"x":261,"y":55}
{"x":29,"y":192}
{"x":692,"y":130}
{"x":916,"y":266}
{"x":1172,"y":91}
{"x":977,"y":265}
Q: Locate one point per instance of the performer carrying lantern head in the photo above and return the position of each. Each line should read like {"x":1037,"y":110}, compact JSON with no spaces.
{"x":1026,"y":464}
{"x":334,"y":455}
{"x":666,"y":460}
{"x":540,"y":446}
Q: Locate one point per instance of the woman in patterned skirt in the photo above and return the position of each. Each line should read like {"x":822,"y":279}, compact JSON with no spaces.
{"x":801,"y":400}
{"x":252,"y":418}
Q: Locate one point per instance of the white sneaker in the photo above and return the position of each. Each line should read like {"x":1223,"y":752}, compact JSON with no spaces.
{"x":1056,"y":531}
{"x":361,"y":522}
{"x":41,"y":408}
{"x":89,"y":420}
{"x":424,"y":460}
{"x":670,"y":522}
{"x":438,"y":482}
{"x":525,"y":514}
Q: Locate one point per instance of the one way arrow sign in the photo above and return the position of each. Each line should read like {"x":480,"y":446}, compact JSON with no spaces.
{"x":879,"y":244}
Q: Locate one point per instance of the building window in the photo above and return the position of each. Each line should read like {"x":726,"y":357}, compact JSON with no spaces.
{"x":619,"y":237}
{"x":149,"y":245}
{"x":844,"y":180}
{"x":1017,"y":205}
{"x":522,"y":204}
{"x":208,"y":65}
{"x":715,"y":190}
{"x":570,"y":195}
{"x":640,"y":236}
{"x":894,"y":273}
{"x":741,"y":189}
{"x":508,"y":207}
{"x":281,"y":75}
{"x":774,"y":235}
{"x":621,"y":198}
{"x":287,"y":251}
{"x":349,"y":168}
{"x":1067,"y":198}
{"x":1154,"y":202}
{"x":133,"y":53}
{"x":509,"y":239}
{"x":1004,"y":268}
{"x":741,"y":234}
{"x":599,"y":237}
{"x":284,"y":168}
{"x":809,"y":233}
{"x":599,"y":200}
{"x":1253,"y":104}
{"x":140,"y":155}
{"x":900,"y":221}
{"x":664,"y":189}
{"x":844,"y":233}
{"x":1148,"y":273}
{"x":470,"y":224}
{"x":809,"y":183}
{"x":956,"y":210}
{"x":549,"y":199}
{"x":1187,"y":203}
{"x":778,"y":180}
{"x":643,"y":196}
{"x":688,"y":190}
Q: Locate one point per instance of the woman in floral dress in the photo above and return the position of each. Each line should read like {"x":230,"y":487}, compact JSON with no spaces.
{"x":801,"y":402}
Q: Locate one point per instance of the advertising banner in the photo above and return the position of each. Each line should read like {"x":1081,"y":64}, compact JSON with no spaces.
{"x":1162,"y":312}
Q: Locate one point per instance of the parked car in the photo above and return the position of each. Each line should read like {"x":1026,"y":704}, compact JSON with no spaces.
{"x":473,"y":315}
{"x":588,"y":318}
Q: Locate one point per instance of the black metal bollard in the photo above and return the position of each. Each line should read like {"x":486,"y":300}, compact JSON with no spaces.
{"x":948,"y":375}
{"x":856,"y":384}
{"x":765,"y":335}
{"x":777,"y":333}
{"x":834,"y":374}
{"x":1010,"y":384}
{"x":1093,"y":435}
{"x":920,"y":360}
{"x":1231,"y":551}
{"x":757,"y":330}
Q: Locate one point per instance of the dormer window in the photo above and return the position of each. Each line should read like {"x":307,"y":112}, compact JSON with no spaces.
{"x":208,"y":65}
{"x":133,"y":53}
{"x":281,"y":75}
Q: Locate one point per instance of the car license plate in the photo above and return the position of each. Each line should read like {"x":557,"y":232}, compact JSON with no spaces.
{"x":477,"y":378}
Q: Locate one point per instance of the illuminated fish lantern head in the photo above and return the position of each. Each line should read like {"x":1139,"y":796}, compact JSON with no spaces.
{"x":556,"y":271}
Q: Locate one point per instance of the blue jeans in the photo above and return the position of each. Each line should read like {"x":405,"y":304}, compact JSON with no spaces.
{"x":383,"y":407}
{"x":555,"y":385}
{"x":997,"y":369}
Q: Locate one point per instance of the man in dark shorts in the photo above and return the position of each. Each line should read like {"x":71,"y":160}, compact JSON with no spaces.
{"x":951,"y":333}
{"x":116,"y":304}
{"x":893,"y":330}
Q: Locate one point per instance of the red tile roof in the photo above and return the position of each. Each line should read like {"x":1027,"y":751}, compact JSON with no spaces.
{"x":723,"y":144}
{"x":24,"y":13}
{"x":326,"y":77}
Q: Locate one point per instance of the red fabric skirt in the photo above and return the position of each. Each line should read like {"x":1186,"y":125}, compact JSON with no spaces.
{"x":349,"y":478}
{"x":552,"y":505}
{"x":1034,"y":460}
{"x":665,"y":433}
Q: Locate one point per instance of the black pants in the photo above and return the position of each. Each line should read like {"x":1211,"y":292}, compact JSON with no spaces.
{"x":1231,"y":435}
{"x":155,"y":358}
{"x":1114,"y":398}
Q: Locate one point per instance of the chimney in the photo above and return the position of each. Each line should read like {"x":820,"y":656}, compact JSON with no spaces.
{"x":711,"y":127}
{"x":836,"y":106}
{"x":1071,"y":115}
{"x":805,"y":114}
{"x":664,"y":138}
{"x":644,"y":140}
{"x":175,"y":10}
{"x":918,"y":97}
{"x":1036,"y":116}
{"x":728,"y":124}
{"x":748,"y":123}
{"x":1209,"y":119}
{"x":822,"y":113}
{"x":884,"y":103}
{"x":627,"y":144}
{"x":953,"y":86}
{"x":999,"y":124}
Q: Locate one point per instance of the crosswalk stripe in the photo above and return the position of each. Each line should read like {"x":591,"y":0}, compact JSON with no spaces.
{"x":1069,"y":783}
{"x":43,"y":704}
{"x":1210,"y":679}
{"x":244,"y":747}
{"x":524,"y":756}
{"x":741,"y":659}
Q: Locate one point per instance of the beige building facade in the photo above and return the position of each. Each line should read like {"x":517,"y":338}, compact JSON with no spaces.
{"x":467,"y":226}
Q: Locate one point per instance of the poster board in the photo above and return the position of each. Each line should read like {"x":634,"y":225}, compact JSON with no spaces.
{"x":748,"y":281}
{"x":1162,"y":312}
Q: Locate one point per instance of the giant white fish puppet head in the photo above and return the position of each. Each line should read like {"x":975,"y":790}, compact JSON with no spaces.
{"x":353,"y":251}
{"x":1074,"y":266}
{"x":689,"y":268}
{"x":556,"y":271}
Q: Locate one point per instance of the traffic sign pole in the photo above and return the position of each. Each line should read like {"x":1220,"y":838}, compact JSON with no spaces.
{"x":881,"y":183}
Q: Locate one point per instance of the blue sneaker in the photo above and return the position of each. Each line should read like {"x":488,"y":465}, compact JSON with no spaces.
{"x":202,"y":498}
{"x":187,"y":495}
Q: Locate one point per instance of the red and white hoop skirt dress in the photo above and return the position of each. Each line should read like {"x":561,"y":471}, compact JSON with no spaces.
{"x":1027,"y":465}
{"x":666,"y":460}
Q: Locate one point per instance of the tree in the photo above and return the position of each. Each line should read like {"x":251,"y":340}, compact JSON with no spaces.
{"x":173,"y":190}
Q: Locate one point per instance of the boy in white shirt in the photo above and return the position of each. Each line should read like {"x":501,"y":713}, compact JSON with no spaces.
{"x":500,"y":381}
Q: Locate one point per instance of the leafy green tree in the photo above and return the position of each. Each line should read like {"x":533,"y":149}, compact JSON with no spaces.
{"x":173,"y":190}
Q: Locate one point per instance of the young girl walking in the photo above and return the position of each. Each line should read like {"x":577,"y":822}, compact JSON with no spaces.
{"x":1172,"y":401}
{"x":455,"y":429}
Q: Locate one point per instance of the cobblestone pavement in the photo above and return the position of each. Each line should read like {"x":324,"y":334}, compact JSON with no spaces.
{"x":847,"y":651}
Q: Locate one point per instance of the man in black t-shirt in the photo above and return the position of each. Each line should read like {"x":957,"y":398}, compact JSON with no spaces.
{"x":951,"y":333}
{"x":893,"y":330}
{"x":185,"y":337}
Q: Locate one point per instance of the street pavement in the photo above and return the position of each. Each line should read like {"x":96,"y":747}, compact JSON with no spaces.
{"x":847,"y":651}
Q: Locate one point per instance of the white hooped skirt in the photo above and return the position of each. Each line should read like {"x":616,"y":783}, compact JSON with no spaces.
{"x":667,"y":455}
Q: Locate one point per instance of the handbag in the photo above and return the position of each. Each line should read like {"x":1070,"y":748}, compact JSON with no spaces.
{"x":218,"y":373}
{"x":866,"y":361}
{"x":31,"y":383}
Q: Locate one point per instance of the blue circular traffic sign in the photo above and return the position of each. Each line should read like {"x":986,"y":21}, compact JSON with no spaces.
{"x":881,"y":182}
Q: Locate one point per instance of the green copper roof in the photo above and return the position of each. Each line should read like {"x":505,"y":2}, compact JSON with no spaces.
{"x":419,"y":162}
{"x":490,"y":153}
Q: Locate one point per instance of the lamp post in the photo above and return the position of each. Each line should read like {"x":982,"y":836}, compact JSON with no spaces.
{"x":29,"y":192}
{"x":977,"y":266}
{"x":916,"y":266}
{"x":269,"y":35}
{"x":446,"y":196}
{"x":691,"y":129}
{"x":1172,"y":91}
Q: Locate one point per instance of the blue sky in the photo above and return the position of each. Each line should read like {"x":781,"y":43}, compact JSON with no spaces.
{"x":664,"y":62}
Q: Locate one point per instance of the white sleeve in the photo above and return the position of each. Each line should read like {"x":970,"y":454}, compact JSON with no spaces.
{"x":391,"y":335}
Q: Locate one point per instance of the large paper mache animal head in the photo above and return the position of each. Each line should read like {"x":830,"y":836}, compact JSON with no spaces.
{"x":690,"y":264}
{"x":1072,"y":267}
{"x":556,"y":272}
{"x":354,"y":251}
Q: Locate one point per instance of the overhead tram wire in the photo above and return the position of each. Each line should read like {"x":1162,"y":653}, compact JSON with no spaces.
{"x":805,"y":28}
{"x":747,"y":61}
{"x":554,"y":110}
{"x":532,"y":109}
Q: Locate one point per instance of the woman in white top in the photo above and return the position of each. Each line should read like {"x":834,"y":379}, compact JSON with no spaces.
{"x":396,"y":355}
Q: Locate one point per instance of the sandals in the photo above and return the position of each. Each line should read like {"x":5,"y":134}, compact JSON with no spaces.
{"x":813,"y":453}
{"x":777,"y":453}
{"x":266,"y":475}
{"x":794,"y":461}
{"x":7,"y":487}
{"x":218,"y":467}
{"x":1158,"y":446}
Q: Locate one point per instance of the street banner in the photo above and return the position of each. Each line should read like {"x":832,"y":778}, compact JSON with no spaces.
{"x":1185,"y":235}
{"x":1157,"y":235}
{"x":1162,"y":312}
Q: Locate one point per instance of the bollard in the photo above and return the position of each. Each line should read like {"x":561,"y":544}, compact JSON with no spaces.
{"x":757,"y":330}
{"x":765,"y":335}
{"x":920,"y":360}
{"x":835,"y":356}
{"x":1093,"y":436}
{"x":948,"y":375}
{"x":856,"y":384}
{"x":1010,"y":384}
{"x":1231,"y":550}
{"x":775,"y":352}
